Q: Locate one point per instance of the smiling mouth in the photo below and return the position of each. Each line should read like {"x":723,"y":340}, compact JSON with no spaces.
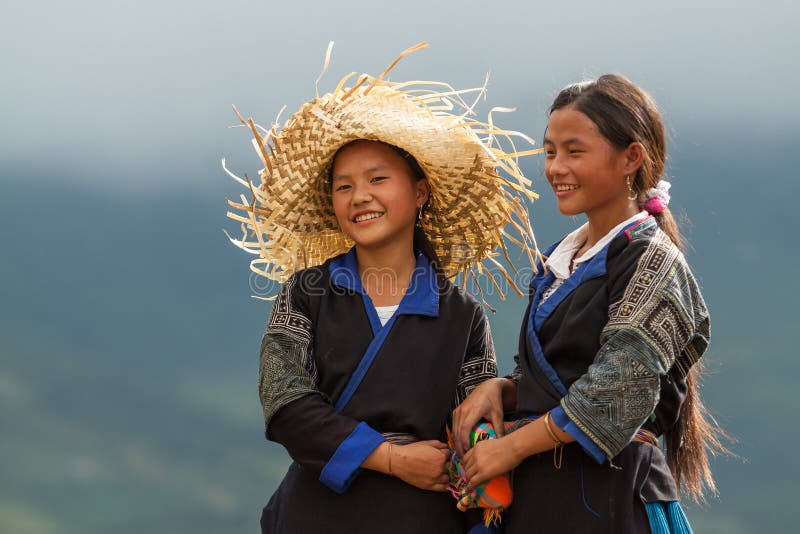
{"x":368,"y":216}
{"x":566,"y":187}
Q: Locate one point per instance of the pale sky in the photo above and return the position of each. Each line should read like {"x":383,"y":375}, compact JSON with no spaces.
{"x":139,"y":92}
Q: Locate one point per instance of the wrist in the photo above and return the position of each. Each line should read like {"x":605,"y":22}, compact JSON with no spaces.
{"x":517,"y":447}
{"x":379,"y":459}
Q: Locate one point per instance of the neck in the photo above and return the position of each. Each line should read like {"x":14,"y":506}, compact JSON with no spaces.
{"x":602,"y":223}
{"x":386,"y":271}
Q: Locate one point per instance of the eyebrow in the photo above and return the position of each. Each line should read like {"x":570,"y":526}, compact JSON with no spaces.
{"x":571,"y":140}
{"x":367,"y":171}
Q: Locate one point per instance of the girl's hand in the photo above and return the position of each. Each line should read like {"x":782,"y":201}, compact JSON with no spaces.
{"x":485,"y":402}
{"x":422,"y":464}
{"x":489,"y":458}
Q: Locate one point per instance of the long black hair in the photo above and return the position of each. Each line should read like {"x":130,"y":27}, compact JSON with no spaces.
{"x":624,"y":113}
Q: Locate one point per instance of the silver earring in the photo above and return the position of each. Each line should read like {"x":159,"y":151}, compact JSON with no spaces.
{"x":631,"y":193}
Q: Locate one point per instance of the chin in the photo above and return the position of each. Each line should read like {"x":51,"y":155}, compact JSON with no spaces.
{"x":364,"y":240}
{"x":365,"y":243}
{"x":569,"y":210}
{"x":379,"y":240}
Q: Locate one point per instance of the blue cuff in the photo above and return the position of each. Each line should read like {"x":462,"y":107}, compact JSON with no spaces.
{"x":480,"y":528}
{"x":563,"y":422}
{"x":344,"y":465}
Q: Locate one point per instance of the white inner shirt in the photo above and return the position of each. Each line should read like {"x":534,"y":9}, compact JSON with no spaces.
{"x":560,"y":259}
{"x":385,"y":313}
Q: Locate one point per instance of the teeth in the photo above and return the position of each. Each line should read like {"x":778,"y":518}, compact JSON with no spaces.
{"x":368,"y":216}
{"x":566,"y":187}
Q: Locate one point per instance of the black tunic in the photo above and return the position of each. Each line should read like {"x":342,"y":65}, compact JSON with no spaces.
{"x":435,"y":350}
{"x":608,"y":353}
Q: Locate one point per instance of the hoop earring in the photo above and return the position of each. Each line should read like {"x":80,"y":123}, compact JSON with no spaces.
{"x":631,"y":193}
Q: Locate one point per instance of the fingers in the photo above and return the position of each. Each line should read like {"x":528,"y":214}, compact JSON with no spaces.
{"x":475,"y":479}
{"x":436,"y":444}
{"x":442,"y":483}
{"x":467,"y":459}
{"x":471,"y":467}
{"x":463,"y":441}
{"x":439,"y":482}
{"x":475,"y":475}
{"x":459,"y":447}
{"x":462,"y":426}
{"x":497,"y":422}
{"x":462,"y":436}
{"x":440,"y":487}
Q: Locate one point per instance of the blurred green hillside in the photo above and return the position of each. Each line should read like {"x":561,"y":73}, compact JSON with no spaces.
{"x":128,"y":347}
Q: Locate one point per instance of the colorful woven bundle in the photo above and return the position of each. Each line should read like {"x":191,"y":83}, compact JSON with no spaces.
{"x":492,"y":496}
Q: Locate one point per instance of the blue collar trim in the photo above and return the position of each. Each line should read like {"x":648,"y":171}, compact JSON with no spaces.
{"x":421,"y":298}
{"x":344,"y":271}
{"x":594,"y":268}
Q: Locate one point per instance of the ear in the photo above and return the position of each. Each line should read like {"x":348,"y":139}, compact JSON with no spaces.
{"x":423,"y":192}
{"x":633,"y":157}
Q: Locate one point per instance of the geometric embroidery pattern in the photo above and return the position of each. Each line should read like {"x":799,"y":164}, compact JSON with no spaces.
{"x":286,"y":318}
{"x":660,"y":321}
{"x":286,"y":367}
{"x":477,"y":367}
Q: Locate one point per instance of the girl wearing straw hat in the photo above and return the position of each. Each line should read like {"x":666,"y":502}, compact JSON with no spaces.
{"x":371,"y":198}
{"x":611,"y":341}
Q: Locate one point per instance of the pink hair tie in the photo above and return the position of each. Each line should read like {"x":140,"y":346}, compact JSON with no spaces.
{"x":654,"y":205}
{"x":657,"y":198}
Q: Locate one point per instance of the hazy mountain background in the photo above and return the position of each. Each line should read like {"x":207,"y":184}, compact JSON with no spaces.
{"x":128,"y":338}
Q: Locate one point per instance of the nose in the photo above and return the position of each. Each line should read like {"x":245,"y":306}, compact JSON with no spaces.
{"x":361,"y":194}
{"x":554,"y":166}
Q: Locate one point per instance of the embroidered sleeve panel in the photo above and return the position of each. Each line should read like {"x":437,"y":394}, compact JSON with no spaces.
{"x":286,"y":366}
{"x":480,"y":362}
{"x":659,"y":321}
{"x":663,"y":303}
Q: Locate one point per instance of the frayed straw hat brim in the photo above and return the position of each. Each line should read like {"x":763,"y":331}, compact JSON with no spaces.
{"x":478,"y":199}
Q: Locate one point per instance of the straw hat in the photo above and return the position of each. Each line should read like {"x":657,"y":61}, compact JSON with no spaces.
{"x":289,"y":222}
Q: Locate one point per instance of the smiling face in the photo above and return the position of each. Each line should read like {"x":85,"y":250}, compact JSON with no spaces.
{"x":587,"y":173}
{"x":376,"y":196}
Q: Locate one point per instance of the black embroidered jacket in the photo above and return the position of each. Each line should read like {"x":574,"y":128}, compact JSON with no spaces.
{"x":608,"y":353}
{"x":413,"y":371}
